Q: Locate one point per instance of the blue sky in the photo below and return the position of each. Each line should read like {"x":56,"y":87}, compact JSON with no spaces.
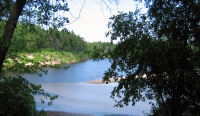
{"x":94,"y":17}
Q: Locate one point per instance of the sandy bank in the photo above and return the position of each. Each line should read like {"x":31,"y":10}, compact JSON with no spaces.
{"x":101,"y":81}
{"x":57,"y":113}
{"x":82,"y":99}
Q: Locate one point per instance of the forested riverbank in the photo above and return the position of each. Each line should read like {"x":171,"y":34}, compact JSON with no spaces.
{"x":34,"y":45}
{"x":32,"y":49}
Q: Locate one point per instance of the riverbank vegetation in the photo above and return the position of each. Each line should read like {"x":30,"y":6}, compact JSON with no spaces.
{"x":36,"y":46}
{"x":164,"y":45}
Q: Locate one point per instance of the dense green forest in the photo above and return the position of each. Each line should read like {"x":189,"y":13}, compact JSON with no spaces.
{"x":65,"y":45}
{"x":34,"y":38}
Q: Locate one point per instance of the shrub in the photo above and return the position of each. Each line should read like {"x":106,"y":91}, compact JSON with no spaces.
{"x":17,"y":97}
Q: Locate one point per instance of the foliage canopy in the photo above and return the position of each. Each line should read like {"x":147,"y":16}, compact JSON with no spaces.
{"x":16,"y":92}
{"x":159,"y":54}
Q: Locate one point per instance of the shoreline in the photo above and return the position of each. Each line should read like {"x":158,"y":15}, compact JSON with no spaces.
{"x":44,"y":61}
{"x":112,"y":80}
{"x":61,"y":113}
{"x":85,"y":99}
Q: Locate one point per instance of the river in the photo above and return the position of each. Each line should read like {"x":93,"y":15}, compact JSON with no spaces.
{"x":77,"y":96}
{"x":78,"y":72}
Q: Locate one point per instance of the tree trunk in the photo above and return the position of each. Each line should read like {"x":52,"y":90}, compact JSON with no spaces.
{"x":6,"y":38}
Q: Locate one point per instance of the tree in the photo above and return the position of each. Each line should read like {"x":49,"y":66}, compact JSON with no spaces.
{"x":38,"y":12}
{"x":29,"y":13}
{"x":17,"y":98}
{"x":159,"y":54}
{"x":16,"y":92}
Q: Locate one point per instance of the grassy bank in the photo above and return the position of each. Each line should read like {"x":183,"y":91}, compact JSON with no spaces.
{"x":47,"y":56}
{"x":60,"y":57}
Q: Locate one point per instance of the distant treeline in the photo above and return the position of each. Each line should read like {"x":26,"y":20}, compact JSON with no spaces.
{"x":31,"y":38}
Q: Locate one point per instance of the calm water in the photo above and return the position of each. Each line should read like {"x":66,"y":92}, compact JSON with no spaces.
{"x":77,"y":96}
{"x":78,"y":72}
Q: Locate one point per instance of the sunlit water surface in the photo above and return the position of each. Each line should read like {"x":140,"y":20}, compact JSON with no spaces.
{"x":77,"y":96}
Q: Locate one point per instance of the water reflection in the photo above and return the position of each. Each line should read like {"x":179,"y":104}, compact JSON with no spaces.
{"x":77,"y":96}
{"x":88,"y":98}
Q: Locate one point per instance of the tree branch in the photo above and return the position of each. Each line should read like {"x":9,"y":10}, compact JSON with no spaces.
{"x":78,"y":15}
{"x":11,"y":24}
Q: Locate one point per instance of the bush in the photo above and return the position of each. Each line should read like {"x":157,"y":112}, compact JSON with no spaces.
{"x":17,"y":97}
